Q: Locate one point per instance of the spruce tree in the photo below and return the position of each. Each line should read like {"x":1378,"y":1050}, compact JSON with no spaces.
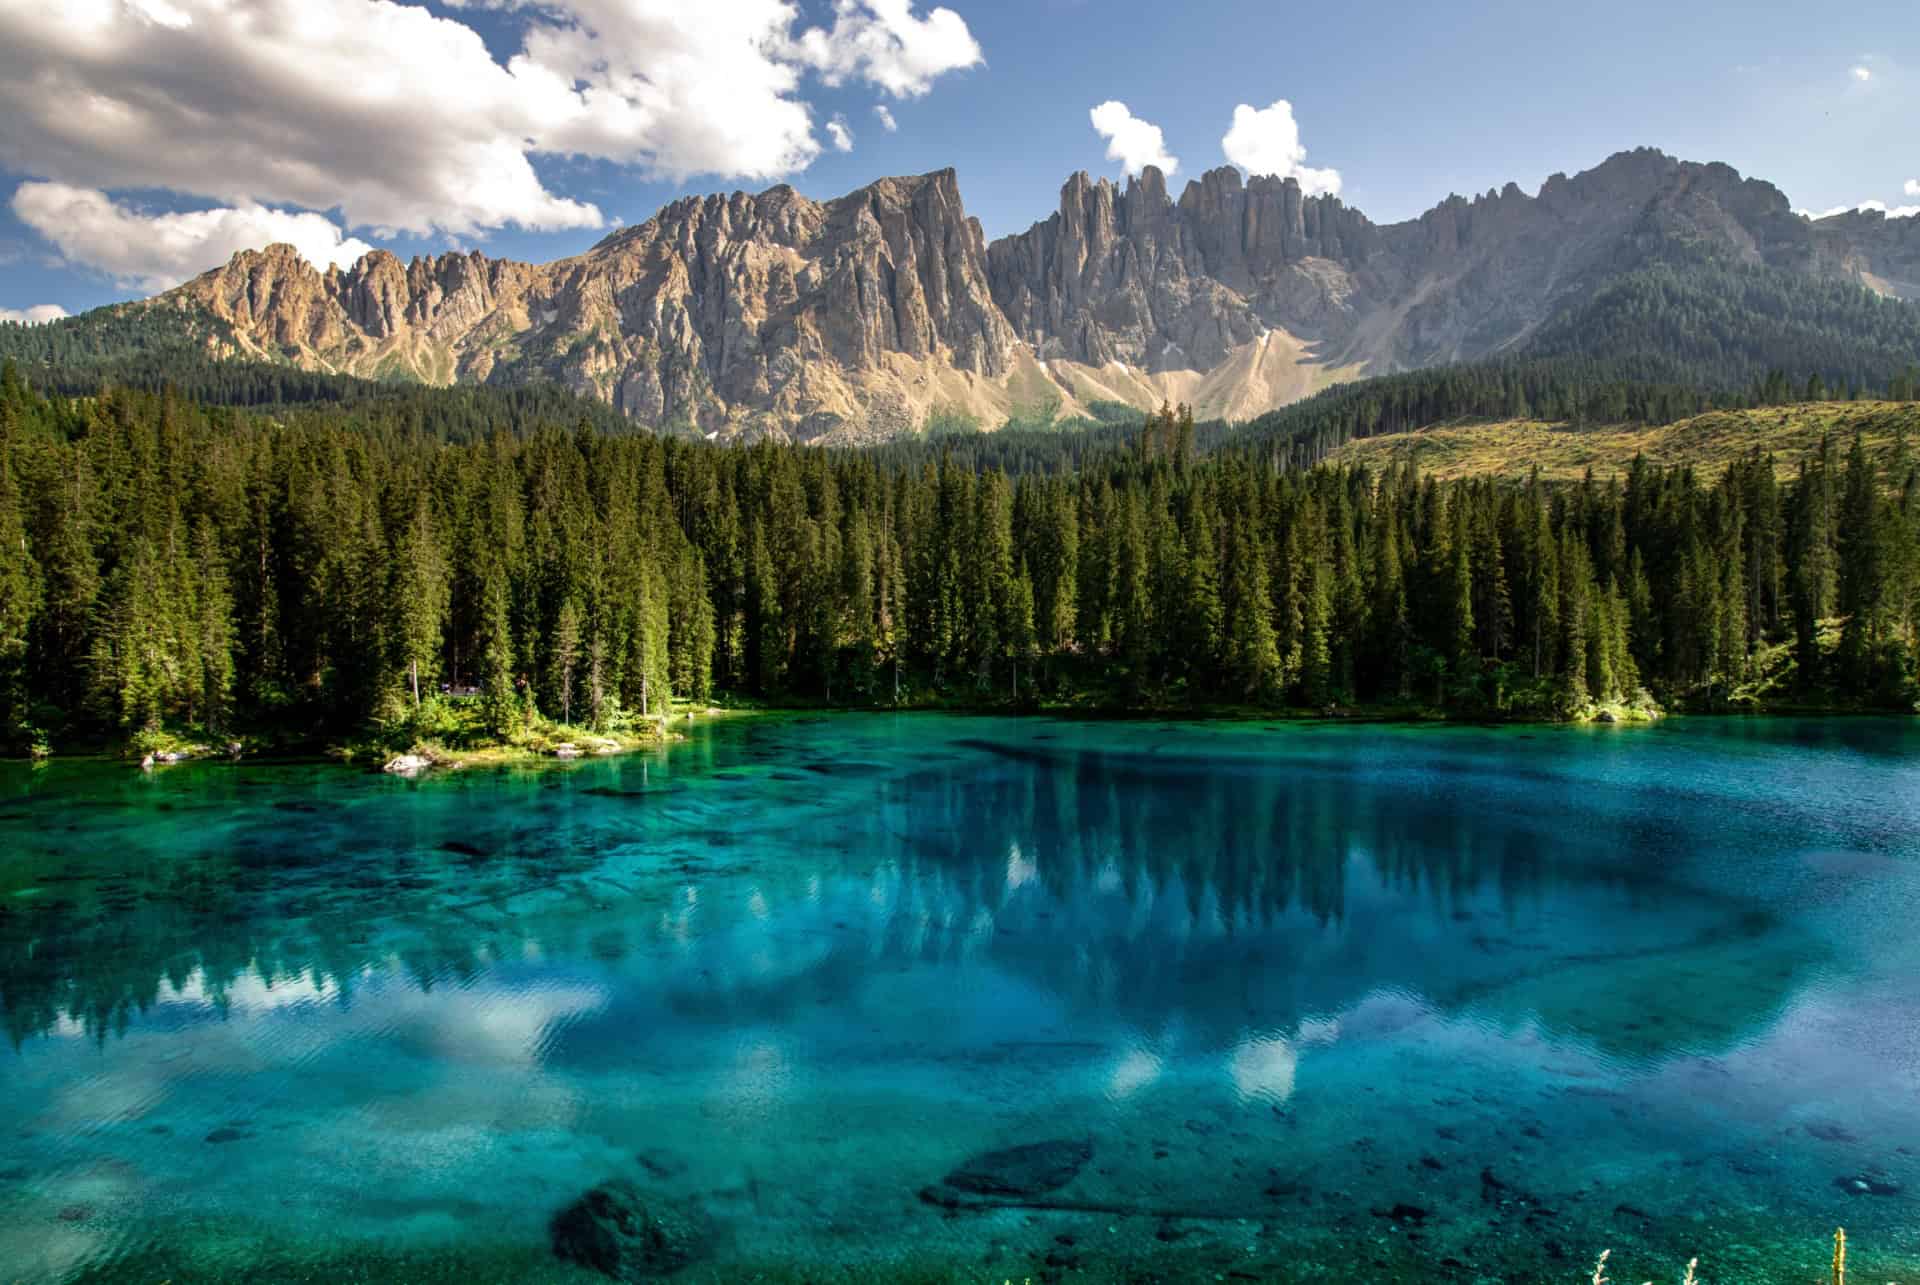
{"x":419,"y":599}
{"x":19,"y":594}
{"x":565,"y":656}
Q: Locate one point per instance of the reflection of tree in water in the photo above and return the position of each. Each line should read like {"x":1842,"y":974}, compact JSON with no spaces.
{"x":1221,"y":891}
{"x":294,"y":888}
{"x":1228,"y":894}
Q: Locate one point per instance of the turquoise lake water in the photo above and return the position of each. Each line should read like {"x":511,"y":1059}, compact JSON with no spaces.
{"x":1327,"y":1002}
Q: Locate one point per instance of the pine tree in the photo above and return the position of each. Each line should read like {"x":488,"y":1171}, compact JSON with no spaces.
{"x":420,"y":598}
{"x":1018,"y":627}
{"x":213,"y":627}
{"x":1812,"y":577}
{"x":20,"y":596}
{"x":1861,"y":573}
{"x":1252,"y":656}
{"x":1198,"y":617}
{"x":499,"y":701}
{"x":1543,"y":616}
{"x":565,"y":656}
{"x":1576,"y":599}
{"x":1459,"y":592}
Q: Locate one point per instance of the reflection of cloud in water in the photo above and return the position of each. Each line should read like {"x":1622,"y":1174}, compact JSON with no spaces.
{"x":1263,"y":1068}
{"x":1020,"y":871}
{"x":1135,"y":1070}
{"x":250,"y":993}
{"x":510,"y":1027}
{"x":1317,"y":1030}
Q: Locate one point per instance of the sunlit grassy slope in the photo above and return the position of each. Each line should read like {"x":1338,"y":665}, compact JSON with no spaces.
{"x":1564,"y":452}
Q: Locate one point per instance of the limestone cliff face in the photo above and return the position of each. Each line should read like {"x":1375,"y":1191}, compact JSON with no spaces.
{"x":1865,"y":245}
{"x":768,"y":311}
{"x":857,"y":318}
{"x":1134,"y":277}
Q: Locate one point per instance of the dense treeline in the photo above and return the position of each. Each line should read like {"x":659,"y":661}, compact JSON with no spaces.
{"x":163,"y":562}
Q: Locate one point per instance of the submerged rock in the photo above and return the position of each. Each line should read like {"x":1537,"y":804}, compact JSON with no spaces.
{"x":661,"y":1163}
{"x":1867,"y":1184}
{"x":1023,"y":1171}
{"x":621,"y":1234}
{"x":407,"y":765}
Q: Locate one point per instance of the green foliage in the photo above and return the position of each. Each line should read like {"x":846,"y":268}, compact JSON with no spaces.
{"x":165,"y":563}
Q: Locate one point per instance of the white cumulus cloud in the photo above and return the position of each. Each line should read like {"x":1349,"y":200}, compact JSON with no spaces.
{"x":882,"y":114}
{"x":1133,"y":142}
{"x":881,"y":41}
{"x":1266,"y":140}
{"x":1913,"y":187}
{"x":402,"y":120}
{"x":156,"y":251}
{"x":1862,"y":74}
{"x":838,"y":132}
{"x":38,"y":315}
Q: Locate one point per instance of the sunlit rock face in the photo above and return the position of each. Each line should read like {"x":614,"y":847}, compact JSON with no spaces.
{"x":860,"y":318}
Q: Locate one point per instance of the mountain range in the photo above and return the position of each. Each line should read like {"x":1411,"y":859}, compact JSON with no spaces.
{"x":860,"y":318}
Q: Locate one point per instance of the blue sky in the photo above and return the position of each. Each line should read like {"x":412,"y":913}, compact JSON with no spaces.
{"x":361,"y":122}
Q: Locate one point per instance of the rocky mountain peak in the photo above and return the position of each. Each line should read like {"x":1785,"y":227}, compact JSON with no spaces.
{"x":864,"y":314}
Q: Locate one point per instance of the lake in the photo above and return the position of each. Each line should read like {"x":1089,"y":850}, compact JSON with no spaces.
{"x":1310,"y":1001}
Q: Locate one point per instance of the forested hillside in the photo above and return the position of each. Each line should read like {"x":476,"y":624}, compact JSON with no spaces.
{"x":1711,"y":322}
{"x":169,"y":563}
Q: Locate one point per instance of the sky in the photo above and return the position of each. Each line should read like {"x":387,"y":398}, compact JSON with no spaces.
{"x":144,"y":141}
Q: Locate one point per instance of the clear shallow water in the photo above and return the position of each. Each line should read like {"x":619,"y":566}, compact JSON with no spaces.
{"x":1556,"y":990}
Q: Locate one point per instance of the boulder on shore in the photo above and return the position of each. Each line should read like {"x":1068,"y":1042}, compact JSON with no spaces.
{"x":566,"y":750}
{"x":408,"y":764}
{"x":618,"y":1232}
